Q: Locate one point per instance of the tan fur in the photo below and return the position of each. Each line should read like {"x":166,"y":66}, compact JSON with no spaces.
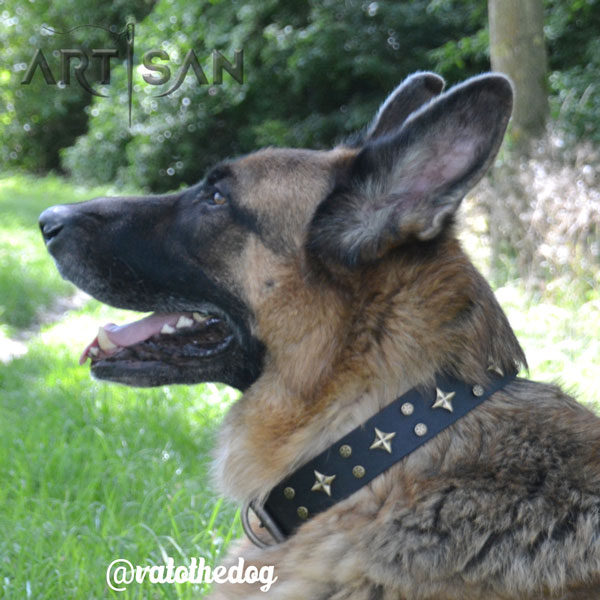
{"x":342,"y":285}
{"x":337,"y":354}
{"x":504,"y":504}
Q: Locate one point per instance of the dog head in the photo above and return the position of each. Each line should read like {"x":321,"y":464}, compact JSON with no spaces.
{"x":282,"y":262}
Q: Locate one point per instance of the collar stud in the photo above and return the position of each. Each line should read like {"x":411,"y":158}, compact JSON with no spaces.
{"x":358,"y":471}
{"x":420,"y":429}
{"x":382,"y":441}
{"x":407,"y":409}
{"x":322,"y":483}
{"x":443,"y":400}
{"x":345,"y":451}
{"x":478,"y":390}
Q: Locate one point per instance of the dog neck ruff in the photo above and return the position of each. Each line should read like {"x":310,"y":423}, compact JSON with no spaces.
{"x":366,"y":452}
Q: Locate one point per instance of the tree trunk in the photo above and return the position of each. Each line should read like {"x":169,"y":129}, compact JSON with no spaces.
{"x":517,"y":48}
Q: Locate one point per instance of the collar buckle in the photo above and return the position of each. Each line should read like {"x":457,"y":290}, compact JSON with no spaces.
{"x":266,"y":522}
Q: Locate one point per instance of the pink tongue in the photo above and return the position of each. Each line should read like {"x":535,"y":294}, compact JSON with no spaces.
{"x":138,"y":331}
{"x":133,"y":333}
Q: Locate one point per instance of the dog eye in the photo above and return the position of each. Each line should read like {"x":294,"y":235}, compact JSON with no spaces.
{"x":218,"y":198}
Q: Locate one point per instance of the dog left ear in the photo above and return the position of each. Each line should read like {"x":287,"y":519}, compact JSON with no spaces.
{"x":415,"y":91}
{"x":408,"y":185}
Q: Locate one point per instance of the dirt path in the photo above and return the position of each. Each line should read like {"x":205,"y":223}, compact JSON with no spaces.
{"x":14,"y":347}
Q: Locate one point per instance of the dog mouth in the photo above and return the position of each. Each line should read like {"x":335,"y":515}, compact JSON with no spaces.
{"x":141,"y":254}
{"x":149,"y":351}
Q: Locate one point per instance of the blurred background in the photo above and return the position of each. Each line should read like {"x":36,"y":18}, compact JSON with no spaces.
{"x":90,"y":471}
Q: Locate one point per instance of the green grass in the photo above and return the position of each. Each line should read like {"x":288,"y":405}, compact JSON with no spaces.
{"x":91,"y":472}
{"x":29,"y":282}
{"x":562,"y":343}
{"x":559,"y":329}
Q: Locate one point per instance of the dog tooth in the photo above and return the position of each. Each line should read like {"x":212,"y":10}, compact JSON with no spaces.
{"x":167,"y":329}
{"x":184,"y":322}
{"x":94,"y":351}
{"x":104,"y":341}
{"x":198,"y":317}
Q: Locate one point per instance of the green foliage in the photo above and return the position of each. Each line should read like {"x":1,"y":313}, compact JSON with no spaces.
{"x":36,"y":120}
{"x":466,"y":56}
{"x":313,"y":72}
{"x":574,"y":58}
{"x":575,"y":103}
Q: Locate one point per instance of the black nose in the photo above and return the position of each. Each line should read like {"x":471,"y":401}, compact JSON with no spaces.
{"x":52,"y":221}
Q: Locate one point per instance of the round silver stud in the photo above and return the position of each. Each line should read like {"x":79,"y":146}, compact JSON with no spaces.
{"x":289,"y":493}
{"x":478,"y":390}
{"x":345,"y":451}
{"x":407,"y":409}
{"x":420,"y":429}
{"x":358,"y":471}
{"x":302,"y":512}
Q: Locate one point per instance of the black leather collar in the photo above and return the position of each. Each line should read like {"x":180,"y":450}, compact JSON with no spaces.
{"x":367,"y":451}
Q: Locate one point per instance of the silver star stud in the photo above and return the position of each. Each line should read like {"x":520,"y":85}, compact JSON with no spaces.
{"x":443,"y":399}
{"x":382,"y":441}
{"x":322,"y":483}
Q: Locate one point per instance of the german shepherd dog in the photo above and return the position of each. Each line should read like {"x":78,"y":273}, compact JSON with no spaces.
{"x":326,"y":285}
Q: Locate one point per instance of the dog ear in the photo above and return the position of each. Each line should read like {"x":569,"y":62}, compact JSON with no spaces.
{"x":411,"y":94}
{"x":407,"y":185}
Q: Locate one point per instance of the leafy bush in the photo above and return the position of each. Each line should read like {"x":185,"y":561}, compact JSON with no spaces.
{"x":312,"y":72}
{"x":38,"y":119}
{"x":574,"y":58}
